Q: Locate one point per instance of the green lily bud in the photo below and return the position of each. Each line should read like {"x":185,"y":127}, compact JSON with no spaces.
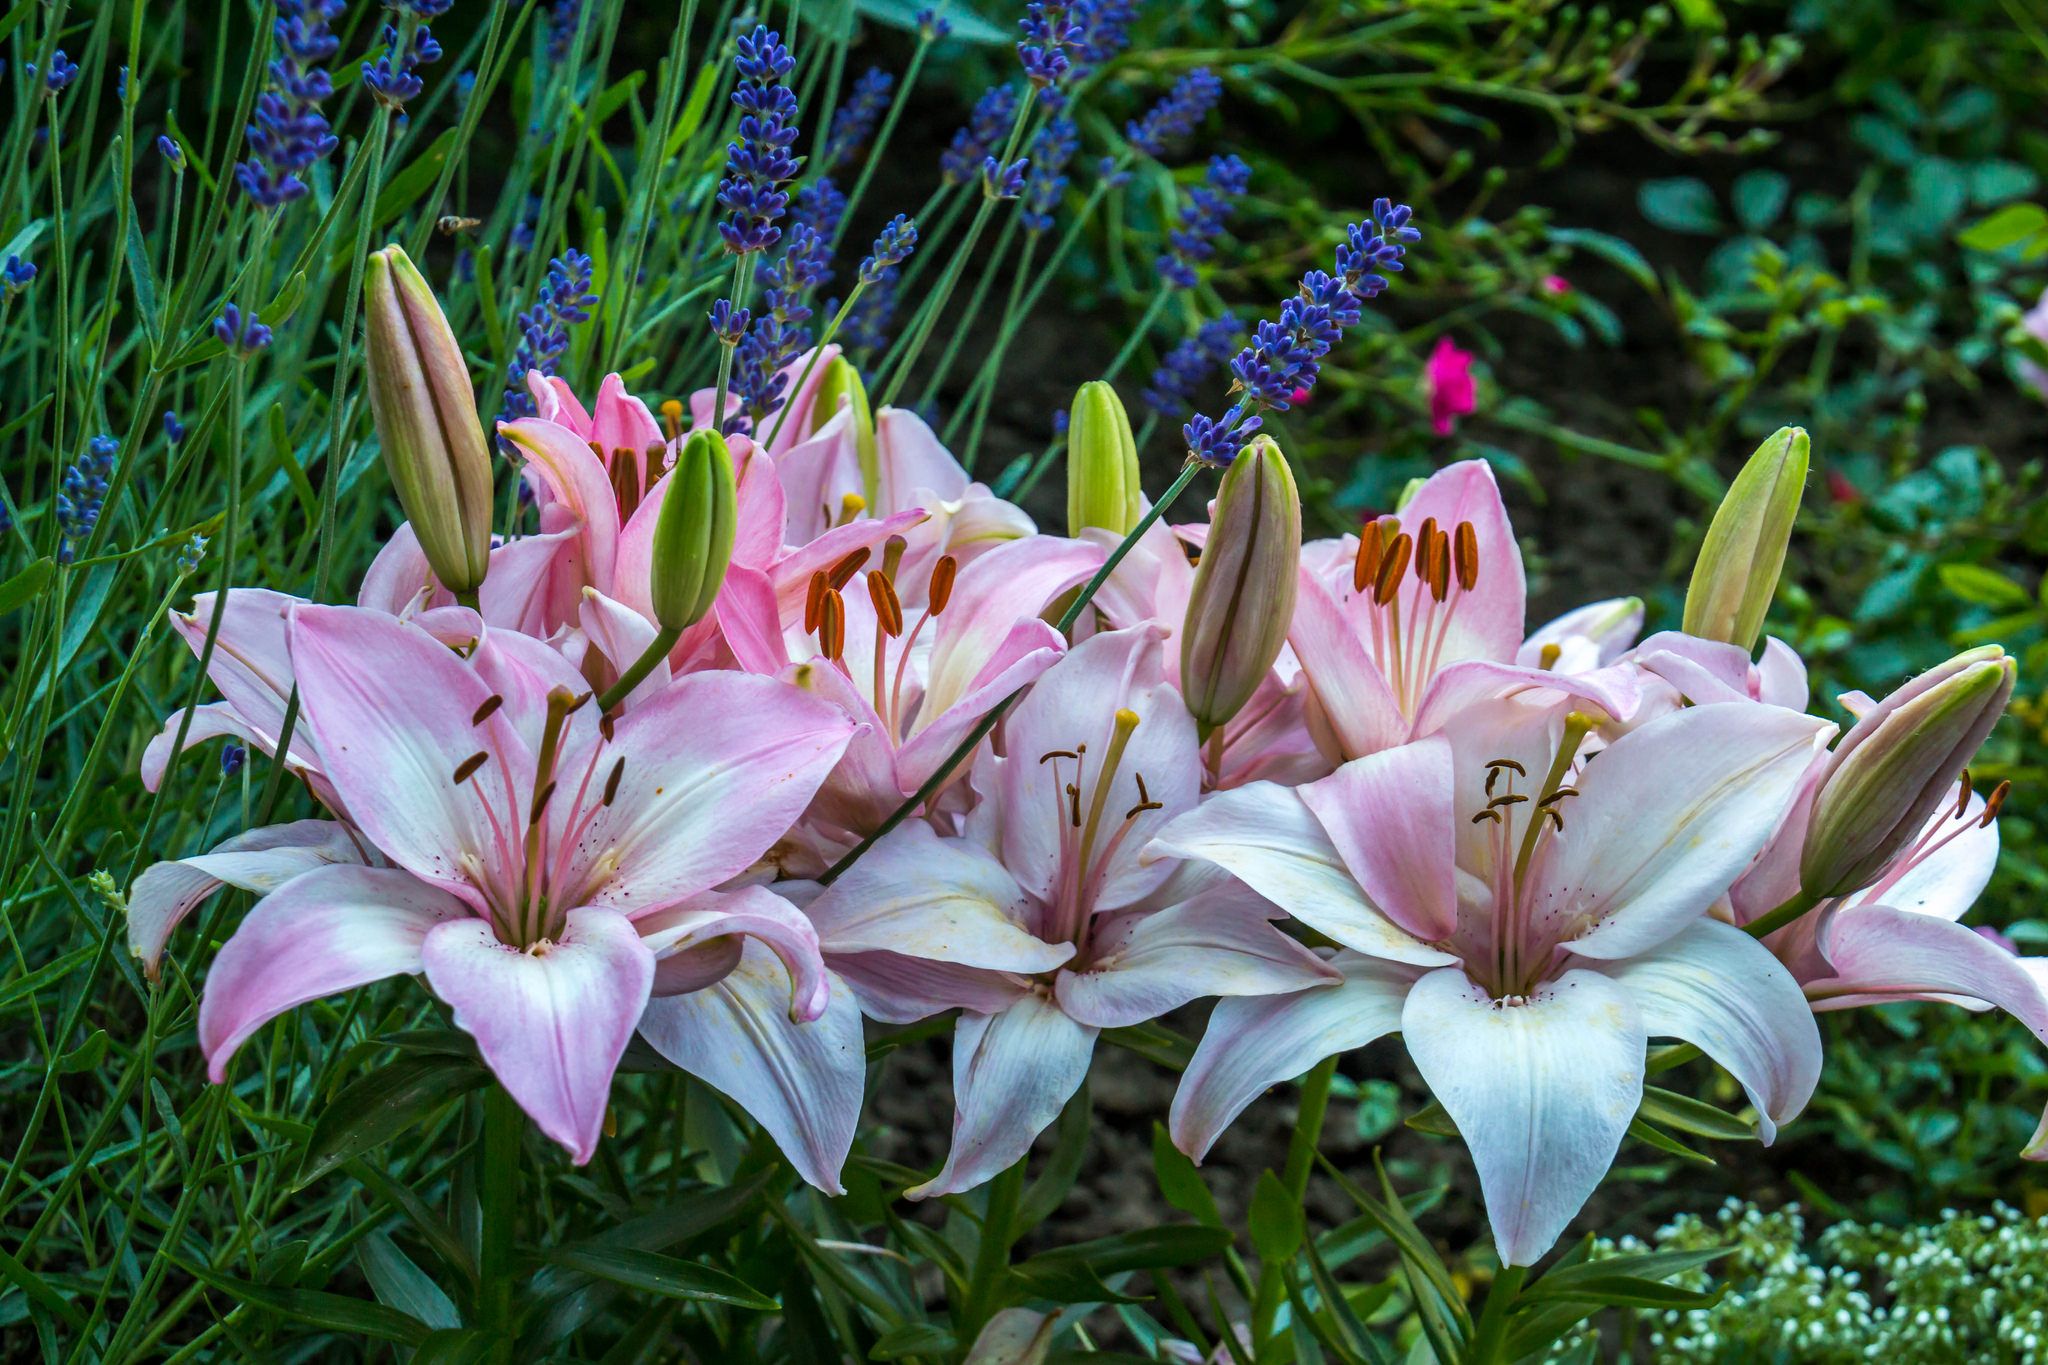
{"x":693,"y":533}
{"x":1737,"y":571}
{"x":1243,"y":598}
{"x":425,"y":411}
{"x":1896,"y":765}
{"x":1102,"y":463}
{"x":842,"y":382}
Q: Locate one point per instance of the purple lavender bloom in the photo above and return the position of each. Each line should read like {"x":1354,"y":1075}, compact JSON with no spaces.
{"x":759,"y":164}
{"x":1050,"y":151}
{"x":83,"y":492}
{"x":986,"y":129}
{"x":290,"y":133}
{"x":395,"y":82}
{"x":232,"y":756}
{"x":891,"y":249}
{"x":239,"y":331}
{"x":1178,"y":113}
{"x":930,"y":27}
{"x":565,"y":299}
{"x":728,"y":323}
{"x":1050,"y":29}
{"x":174,"y":430}
{"x":1285,"y":356}
{"x":16,"y":275}
{"x":563,"y":17}
{"x":1105,"y":31}
{"x":168,"y":148}
{"x":820,"y":205}
{"x":855,"y":122}
{"x":63,"y":71}
{"x":1188,"y":366}
{"x":430,"y":9}
{"x":1201,"y":220}
{"x":999,"y":181}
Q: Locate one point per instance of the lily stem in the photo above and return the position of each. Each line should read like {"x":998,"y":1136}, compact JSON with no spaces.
{"x":1782,"y":915}
{"x":642,"y":666}
{"x":498,"y":1192}
{"x":1487,"y":1337}
{"x":992,"y":1255}
{"x":1301,"y":1158}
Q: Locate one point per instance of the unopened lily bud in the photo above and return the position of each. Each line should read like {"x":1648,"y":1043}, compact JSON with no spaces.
{"x":1737,"y":571}
{"x":1896,"y":765}
{"x":1243,"y":597}
{"x":1102,"y":463}
{"x":693,"y":533}
{"x":842,"y":382}
{"x":425,"y":410}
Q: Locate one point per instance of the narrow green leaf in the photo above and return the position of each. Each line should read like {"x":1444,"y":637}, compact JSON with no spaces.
{"x":692,"y":116}
{"x":316,"y":1308}
{"x":1986,"y":587}
{"x":2010,"y":225}
{"x":144,"y":276}
{"x":1689,"y":1115}
{"x":1275,"y":1224}
{"x":415,"y":180}
{"x":380,"y":1106}
{"x":294,"y":472}
{"x":668,"y":1276}
{"x":19,"y":590}
{"x":914,"y":1339}
{"x":400,"y":1284}
{"x":1664,"y":1142}
{"x":1140,"y":1249}
{"x":1179,"y":1182}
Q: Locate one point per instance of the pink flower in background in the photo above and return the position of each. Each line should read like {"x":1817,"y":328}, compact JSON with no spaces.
{"x":1449,"y":373}
{"x":550,"y":873}
{"x":1527,"y":918}
{"x":1556,"y":285}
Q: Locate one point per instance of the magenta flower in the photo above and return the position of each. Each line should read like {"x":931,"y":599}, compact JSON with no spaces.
{"x":1041,"y":922}
{"x":1449,"y":377}
{"x":550,"y":871}
{"x":1527,"y":919}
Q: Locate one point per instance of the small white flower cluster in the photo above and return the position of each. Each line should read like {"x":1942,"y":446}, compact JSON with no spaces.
{"x":1966,"y":1288}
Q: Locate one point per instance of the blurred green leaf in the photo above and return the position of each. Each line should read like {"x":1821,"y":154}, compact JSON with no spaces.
{"x":380,"y":1106}
{"x":669,"y":1276}
{"x":1681,"y":204}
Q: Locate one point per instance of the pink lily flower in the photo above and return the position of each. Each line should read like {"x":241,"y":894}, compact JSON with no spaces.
{"x":918,"y":678}
{"x":1527,"y":919}
{"x":825,"y":486}
{"x":1451,"y":393}
{"x":1041,"y":921}
{"x":1423,"y":618}
{"x":552,"y":871}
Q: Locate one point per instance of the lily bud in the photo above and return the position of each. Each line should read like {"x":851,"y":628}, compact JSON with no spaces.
{"x":1896,"y":765}
{"x":1102,"y":463}
{"x":693,"y":533}
{"x":842,"y":382}
{"x":1737,"y":571}
{"x":425,"y":410}
{"x":1243,"y":597}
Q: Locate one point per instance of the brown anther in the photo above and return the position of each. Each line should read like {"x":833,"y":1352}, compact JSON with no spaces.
{"x":888,"y":610}
{"x":1425,"y":541}
{"x":540,"y":804}
{"x":842,"y":573}
{"x":1492,"y":776}
{"x":1560,"y":794}
{"x":1145,"y":801}
{"x":598,"y":451}
{"x":941,"y":590}
{"x":1465,"y":555}
{"x":1391,"y":568}
{"x":1963,"y":794}
{"x":604,"y":726}
{"x":1365,"y":569}
{"x":814,"y":597}
{"x":467,"y":768}
{"x":1511,"y":799}
{"x":611,"y":784}
{"x":1057,"y":753}
{"x":1074,"y":804}
{"x":487,"y":710}
{"x":1546,"y":658}
{"x":1489,"y":813}
{"x":1993,"y":804}
{"x":1555,"y":818}
{"x":577,"y":705}
{"x":832,"y":624}
{"x":1509,"y":764}
{"x":1439,"y":566}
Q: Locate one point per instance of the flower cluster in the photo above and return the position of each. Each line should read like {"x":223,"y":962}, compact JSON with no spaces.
{"x":1193,"y":239}
{"x":290,"y":133}
{"x":986,"y":128}
{"x":892,"y":248}
{"x":1188,"y":366}
{"x":16,"y":275}
{"x":1051,"y":150}
{"x":393,"y":78}
{"x":1177,"y":114}
{"x":240,"y":331}
{"x":854,"y":122}
{"x":62,"y":72}
{"x":1281,"y":364}
{"x":759,"y":165}
{"x":1052,"y":32}
{"x":565,"y":299}
{"x":83,"y":492}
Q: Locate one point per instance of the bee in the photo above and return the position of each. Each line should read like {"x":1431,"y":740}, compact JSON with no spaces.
{"x":450,"y":224}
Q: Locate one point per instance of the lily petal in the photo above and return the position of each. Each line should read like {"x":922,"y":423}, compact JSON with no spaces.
{"x":260,"y":860}
{"x":1719,"y":989}
{"x":1265,"y":836}
{"x":550,"y":1021}
{"x":1357,"y":707}
{"x":1012,"y":1074}
{"x":330,"y":930}
{"x":759,"y":914}
{"x":1880,"y":954}
{"x":1389,"y":815}
{"x":1252,"y":1044}
{"x":1541,"y":1090}
{"x":801,"y":1082}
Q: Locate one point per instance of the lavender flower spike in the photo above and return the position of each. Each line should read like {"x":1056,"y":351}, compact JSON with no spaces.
{"x":892,"y":249}
{"x":1201,"y":221}
{"x":759,"y":165}
{"x":1178,"y":114}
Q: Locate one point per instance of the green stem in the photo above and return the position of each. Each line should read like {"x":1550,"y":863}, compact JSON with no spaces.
{"x":1782,"y":915}
{"x":642,"y":666}
{"x":989,"y":721}
{"x":992,"y":1254}
{"x":1489,"y":1336}
{"x":1308,"y":1128}
{"x":498,"y":1193}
